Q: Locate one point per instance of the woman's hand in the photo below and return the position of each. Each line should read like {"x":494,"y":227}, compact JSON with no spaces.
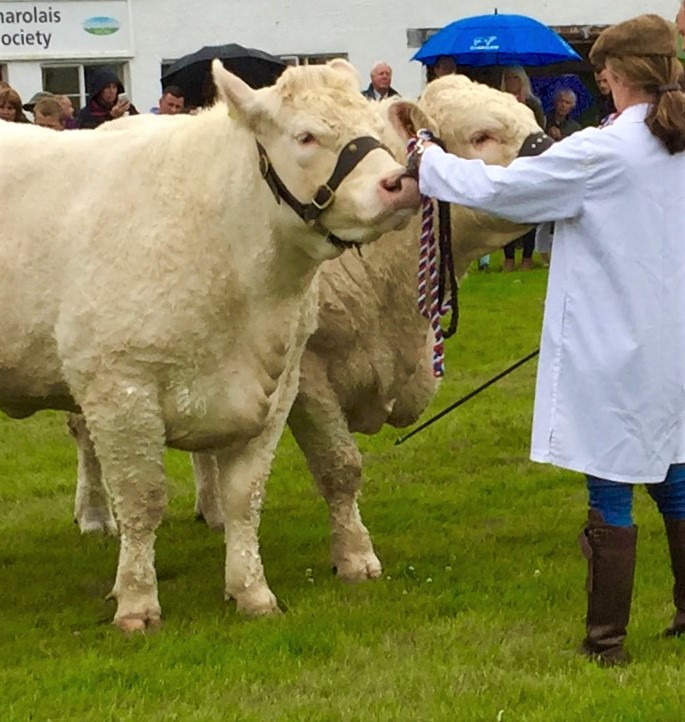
{"x":120,"y":108}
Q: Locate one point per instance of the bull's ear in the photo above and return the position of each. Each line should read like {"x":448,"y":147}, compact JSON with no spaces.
{"x":236,"y":92}
{"x":342,"y":66}
{"x":406,"y":118}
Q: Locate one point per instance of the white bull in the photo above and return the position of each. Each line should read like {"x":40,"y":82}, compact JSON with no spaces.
{"x":166,"y":294}
{"x":369,"y":361}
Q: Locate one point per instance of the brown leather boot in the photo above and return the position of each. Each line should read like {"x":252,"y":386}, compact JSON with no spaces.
{"x":526,"y":264}
{"x":610,"y":551}
{"x":509,"y":264}
{"x":675,"y":531}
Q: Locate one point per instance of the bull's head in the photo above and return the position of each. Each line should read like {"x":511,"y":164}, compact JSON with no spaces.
{"x":307,"y":125}
{"x":474,"y":121}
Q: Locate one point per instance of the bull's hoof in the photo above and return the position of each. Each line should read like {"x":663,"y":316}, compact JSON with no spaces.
{"x":106,"y":528}
{"x":262,"y":604}
{"x":96,"y":522}
{"x":136,"y":613}
{"x":138,"y":623}
{"x":358,"y":568}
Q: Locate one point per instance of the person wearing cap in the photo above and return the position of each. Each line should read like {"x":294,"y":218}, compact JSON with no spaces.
{"x":610,"y":392}
{"x":104,"y":103}
{"x":28,"y":107}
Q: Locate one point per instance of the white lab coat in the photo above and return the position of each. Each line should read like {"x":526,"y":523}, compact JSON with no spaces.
{"x":610,"y":393}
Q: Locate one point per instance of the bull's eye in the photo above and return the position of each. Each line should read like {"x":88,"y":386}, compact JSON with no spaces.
{"x":480,"y":138}
{"x":305,"y":139}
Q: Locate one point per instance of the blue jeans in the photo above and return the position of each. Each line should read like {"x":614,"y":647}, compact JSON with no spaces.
{"x":614,"y":500}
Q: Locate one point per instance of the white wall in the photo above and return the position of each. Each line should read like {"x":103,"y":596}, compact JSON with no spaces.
{"x":368,"y":30}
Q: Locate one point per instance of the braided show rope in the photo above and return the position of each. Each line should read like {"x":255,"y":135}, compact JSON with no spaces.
{"x":428,"y":301}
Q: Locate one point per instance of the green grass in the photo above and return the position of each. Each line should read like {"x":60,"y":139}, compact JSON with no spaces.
{"x":477,"y":616}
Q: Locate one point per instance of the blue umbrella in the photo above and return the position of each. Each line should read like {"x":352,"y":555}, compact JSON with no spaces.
{"x":497,"y":40}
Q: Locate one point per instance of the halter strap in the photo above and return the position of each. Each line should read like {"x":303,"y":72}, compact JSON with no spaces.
{"x":348,"y":159}
{"x":535,"y":144}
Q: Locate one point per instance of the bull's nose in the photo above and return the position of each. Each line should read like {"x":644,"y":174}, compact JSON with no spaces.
{"x":393,"y":183}
{"x":400,"y":191}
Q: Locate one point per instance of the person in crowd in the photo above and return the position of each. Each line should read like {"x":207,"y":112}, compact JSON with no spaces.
{"x":515,"y":80}
{"x":29,"y":106}
{"x":444,"y":65}
{"x":606,"y":105}
{"x":172,"y":101}
{"x":559,"y":123}
{"x":10,"y":106}
{"x":380,"y":86}
{"x":104,"y":103}
{"x":70,"y":122}
{"x":48,"y":112}
{"x":610,"y":393}
{"x":680,"y":19}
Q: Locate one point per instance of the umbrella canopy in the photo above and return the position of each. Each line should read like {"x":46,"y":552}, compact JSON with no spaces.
{"x":497,"y":40}
{"x":192,"y":72}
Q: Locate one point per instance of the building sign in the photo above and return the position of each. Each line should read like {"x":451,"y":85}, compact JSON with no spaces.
{"x":64,"y":29}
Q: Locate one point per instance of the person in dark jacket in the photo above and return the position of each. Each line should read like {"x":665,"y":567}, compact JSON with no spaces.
{"x":560,"y":124}
{"x":379,"y":87}
{"x":104,"y":103}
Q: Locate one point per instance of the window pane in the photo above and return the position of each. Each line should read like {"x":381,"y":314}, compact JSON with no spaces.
{"x":63,"y":80}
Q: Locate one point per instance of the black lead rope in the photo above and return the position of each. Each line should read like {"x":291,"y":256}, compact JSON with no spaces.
{"x":468,"y":397}
{"x":446,"y":270}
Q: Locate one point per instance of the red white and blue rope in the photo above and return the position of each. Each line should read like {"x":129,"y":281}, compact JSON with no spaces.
{"x":428,"y":298}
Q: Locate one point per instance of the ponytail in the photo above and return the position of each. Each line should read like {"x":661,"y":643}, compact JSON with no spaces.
{"x":666,"y":118}
{"x":662,"y":77}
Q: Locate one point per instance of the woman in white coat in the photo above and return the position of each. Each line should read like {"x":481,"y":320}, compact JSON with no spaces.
{"x":610,"y":394}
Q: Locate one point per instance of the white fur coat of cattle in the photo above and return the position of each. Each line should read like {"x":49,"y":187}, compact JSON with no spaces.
{"x":165,"y":293}
{"x":369,"y":361}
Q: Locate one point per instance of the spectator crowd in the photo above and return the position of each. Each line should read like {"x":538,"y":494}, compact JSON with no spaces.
{"x":107,"y":100}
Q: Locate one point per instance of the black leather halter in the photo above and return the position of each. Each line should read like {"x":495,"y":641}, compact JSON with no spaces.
{"x":348,"y":159}
{"x":535,"y":144}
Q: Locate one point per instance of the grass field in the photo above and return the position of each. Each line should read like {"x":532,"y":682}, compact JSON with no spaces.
{"x":477,"y":616}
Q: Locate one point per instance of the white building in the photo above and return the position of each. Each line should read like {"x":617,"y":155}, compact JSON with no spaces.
{"x":49,"y":45}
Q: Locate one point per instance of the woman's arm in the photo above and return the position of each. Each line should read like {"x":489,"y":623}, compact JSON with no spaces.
{"x":547,"y":187}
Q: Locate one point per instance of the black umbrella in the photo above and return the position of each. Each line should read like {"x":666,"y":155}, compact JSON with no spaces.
{"x":192,"y":74}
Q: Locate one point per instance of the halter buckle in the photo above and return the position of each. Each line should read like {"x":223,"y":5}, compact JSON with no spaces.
{"x":322,"y":205}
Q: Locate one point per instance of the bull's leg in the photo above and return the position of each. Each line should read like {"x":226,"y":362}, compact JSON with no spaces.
{"x":92,"y":510}
{"x":128,"y":434}
{"x":320,"y":429}
{"x":207,"y":504}
{"x":242,"y":479}
{"x":241,"y":490}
